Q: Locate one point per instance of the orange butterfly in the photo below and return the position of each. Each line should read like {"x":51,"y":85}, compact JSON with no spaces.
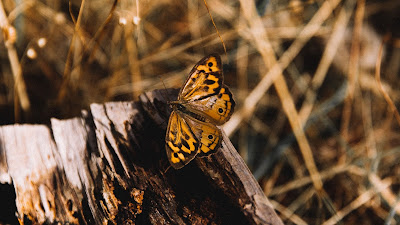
{"x":204,"y":102}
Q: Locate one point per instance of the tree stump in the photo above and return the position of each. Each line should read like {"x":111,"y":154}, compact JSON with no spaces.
{"x":109,"y":167}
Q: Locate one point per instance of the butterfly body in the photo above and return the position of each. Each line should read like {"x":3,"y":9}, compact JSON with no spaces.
{"x":204,"y":102}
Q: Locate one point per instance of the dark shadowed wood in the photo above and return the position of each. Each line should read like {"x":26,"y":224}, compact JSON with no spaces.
{"x":110,"y":166}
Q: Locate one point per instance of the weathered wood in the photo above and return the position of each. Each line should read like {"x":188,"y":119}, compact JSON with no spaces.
{"x":109,"y":166}
{"x":42,"y":190}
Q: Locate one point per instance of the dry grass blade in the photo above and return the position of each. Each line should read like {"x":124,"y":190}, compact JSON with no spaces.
{"x":243,"y":91}
{"x":378,"y":81}
{"x":288,"y":213}
{"x":10,"y":36}
{"x":165,"y":54}
{"x":386,"y":194}
{"x":131,"y":49}
{"x":353,"y":69}
{"x":69,"y":63}
{"x":308,"y":148}
{"x":295,"y":184}
{"x":361,"y":200}
{"x":258,"y":92}
{"x":101,"y":31}
{"x":275,"y":75}
{"x":332,"y":45}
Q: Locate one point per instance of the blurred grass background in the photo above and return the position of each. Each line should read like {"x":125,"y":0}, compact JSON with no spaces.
{"x":291,"y":65}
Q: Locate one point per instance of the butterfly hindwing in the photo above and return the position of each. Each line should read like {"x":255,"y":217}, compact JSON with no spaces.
{"x":180,"y":142}
{"x":208,"y":134}
{"x":204,"y":80}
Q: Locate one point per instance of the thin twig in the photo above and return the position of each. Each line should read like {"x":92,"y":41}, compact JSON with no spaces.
{"x":287,"y":213}
{"x":258,"y":92}
{"x":327,"y":57}
{"x":69,"y":63}
{"x":275,"y":76}
{"x":378,"y":81}
{"x":353,"y":71}
{"x":10,"y":36}
{"x":361,"y":200}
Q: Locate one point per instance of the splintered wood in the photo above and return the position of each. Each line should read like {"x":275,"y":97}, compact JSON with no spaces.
{"x":109,"y":167}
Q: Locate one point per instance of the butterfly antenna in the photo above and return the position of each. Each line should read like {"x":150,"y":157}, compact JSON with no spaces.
{"x":215,"y":26}
{"x":166,"y":90}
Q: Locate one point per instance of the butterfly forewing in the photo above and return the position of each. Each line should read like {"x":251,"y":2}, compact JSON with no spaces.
{"x":216,"y":108}
{"x":204,"y":80}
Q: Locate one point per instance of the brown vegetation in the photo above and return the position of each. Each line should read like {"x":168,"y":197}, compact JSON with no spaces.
{"x":290,"y":64}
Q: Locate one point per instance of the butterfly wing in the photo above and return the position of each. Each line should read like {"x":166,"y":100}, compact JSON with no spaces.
{"x":208,"y":134}
{"x":180,"y":142}
{"x":202,"y":102}
{"x":204,"y":80}
{"x":216,"y":108}
{"x":204,"y":93}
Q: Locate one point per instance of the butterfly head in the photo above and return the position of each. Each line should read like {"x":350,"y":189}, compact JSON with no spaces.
{"x":176,"y":105}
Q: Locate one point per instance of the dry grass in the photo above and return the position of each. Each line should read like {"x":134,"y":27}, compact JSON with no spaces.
{"x":316,"y":119}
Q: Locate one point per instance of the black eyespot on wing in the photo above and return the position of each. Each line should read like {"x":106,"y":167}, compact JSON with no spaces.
{"x":220,"y":110}
{"x":210,"y":137}
{"x":209,"y":82}
{"x":187,"y":137}
{"x":210,"y":64}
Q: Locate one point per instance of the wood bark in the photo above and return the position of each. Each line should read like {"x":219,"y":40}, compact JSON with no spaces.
{"x":109,"y":167}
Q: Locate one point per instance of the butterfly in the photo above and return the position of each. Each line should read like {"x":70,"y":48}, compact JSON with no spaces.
{"x":204,"y":103}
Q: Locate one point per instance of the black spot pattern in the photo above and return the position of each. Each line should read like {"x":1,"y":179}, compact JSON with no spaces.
{"x":209,"y":82}
{"x":210,"y":137}
{"x":220,"y":110}
{"x":184,"y":143}
{"x":186,"y":136}
{"x":210,"y":64}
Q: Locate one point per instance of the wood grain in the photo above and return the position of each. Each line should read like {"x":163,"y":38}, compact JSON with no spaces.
{"x":110,"y":166}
